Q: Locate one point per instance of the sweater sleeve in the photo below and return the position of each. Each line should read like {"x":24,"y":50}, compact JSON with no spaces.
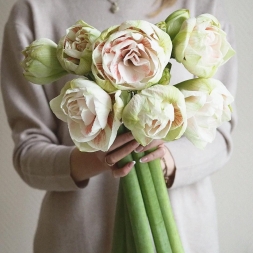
{"x":39,"y":157}
{"x":193,"y":164}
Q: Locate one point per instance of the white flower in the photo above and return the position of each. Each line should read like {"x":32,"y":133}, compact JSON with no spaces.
{"x":93,"y":118}
{"x":157,"y":112}
{"x":201,"y":46}
{"x":208,"y":106}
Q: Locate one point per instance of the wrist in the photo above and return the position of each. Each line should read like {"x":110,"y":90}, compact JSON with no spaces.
{"x":169,"y":170}
{"x":84,"y":165}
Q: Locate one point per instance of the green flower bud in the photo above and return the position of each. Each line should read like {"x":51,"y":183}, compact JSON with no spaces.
{"x":41,"y":65}
{"x":175,"y":20}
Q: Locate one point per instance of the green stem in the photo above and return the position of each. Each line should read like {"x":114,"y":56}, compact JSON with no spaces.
{"x":155,"y":217}
{"x":130,"y":245}
{"x":136,"y":210}
{"x":165,"y":206}
{"x":119,"y":232}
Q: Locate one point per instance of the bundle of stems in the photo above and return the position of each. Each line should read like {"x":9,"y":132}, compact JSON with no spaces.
{"x":144,"y":221}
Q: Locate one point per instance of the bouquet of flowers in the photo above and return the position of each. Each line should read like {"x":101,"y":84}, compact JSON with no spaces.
{"x":123,"y":85}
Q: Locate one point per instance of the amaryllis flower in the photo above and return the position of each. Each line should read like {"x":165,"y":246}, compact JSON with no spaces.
{"x":130,"y":56}
{"x":157,"y":112}
{"x":208,"y":105}
{"x":75,"y":49}
{"x":93,"y":118}
{"x":41,"y":65}
{"x":201,"y":46}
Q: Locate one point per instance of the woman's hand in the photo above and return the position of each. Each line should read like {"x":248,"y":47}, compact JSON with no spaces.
{"x":161,"y":152}
{"x":85,"y":165}
{"x":167,"y":161}
{"x":123,"y":145}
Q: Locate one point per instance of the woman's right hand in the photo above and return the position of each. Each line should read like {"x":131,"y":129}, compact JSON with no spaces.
{"x":123,"y":145}
{"x":85,"y":165}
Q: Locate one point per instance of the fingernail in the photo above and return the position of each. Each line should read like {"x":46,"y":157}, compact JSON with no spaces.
{"x":143,"y":159}
{"x":139,"y":149}
{"x":132,"y":163}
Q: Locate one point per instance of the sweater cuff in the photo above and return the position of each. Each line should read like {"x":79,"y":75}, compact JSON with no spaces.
{"x":53,"y":172}
{"x":64,"y":181}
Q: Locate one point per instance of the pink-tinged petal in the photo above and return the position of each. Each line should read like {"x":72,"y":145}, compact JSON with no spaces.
{"x":129,"y":74}
{"x":110,"y":120}
{"x":100,"y":140}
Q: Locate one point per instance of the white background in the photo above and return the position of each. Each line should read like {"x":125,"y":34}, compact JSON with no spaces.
{"x":19,"y":204}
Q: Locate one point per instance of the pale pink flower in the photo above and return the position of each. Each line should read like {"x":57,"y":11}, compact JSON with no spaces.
{"x":93,"y":118}
{"x":131,"y":56}
{"x":201,"y":46}
{"x":157,"y":112}
{"x":75,"y":48}
{"x":208,"y":105}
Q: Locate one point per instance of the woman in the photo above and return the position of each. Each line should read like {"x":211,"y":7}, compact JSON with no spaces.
{"x":77,"y":212}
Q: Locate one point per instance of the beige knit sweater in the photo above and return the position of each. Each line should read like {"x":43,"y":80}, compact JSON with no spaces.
{"x":80,"y":219}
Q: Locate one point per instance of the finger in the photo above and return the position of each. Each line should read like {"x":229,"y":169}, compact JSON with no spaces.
{"x":152,"y":144}
{"x":120,"y":153}
{"x":124,"y":170}
{"x":158,"y":153}
{"x":107,"y":163}
{"x":121,"y":140}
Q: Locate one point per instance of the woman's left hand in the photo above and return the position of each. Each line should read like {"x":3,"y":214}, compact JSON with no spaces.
{"x":161,"y":152}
